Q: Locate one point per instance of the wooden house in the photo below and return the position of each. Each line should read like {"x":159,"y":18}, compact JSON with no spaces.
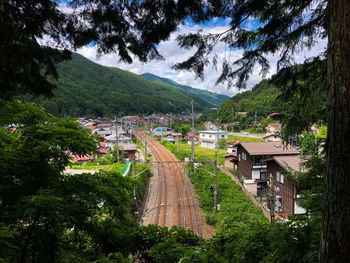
{"x":252,"y":165}
{"x":280,"y":186}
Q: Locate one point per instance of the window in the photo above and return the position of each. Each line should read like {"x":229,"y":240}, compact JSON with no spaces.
{"x":278,"y":203}
{"x":255,"y":174}
{"x":244,"y":156}
{"x":209,"y":136}
{"x":222,"y":136}
{"x":263,"y":174}
{"x":279,"y":177}
{"x":239,"y":157}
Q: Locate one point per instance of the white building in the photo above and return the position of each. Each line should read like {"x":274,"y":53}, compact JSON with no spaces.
{"x":208,"y":139}
{"x":111,"y":140}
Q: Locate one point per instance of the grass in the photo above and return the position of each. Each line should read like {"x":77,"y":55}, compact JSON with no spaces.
{"x":115,"y":167}
{"x":234,"y":138}
{"x":112,"y":167}
{"x":231,"y":170}
{"x":201,"y":153}
{"x":235,"y":207}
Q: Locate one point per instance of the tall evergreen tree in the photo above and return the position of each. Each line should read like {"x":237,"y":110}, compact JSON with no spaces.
{"x":283,"y":28}
{"x":136,"y":27}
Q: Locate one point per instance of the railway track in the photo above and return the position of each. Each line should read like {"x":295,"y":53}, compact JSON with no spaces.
{"x":162,"y":202}
{"x":185,"y":201}
{"x":179,"y":210}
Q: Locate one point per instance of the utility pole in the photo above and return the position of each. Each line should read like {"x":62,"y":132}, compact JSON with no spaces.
{"x":255,"y":118}
{"x":146,"y":155}
{"x":217,"y":143}
{"x":316,"y":148}
{"x":192,"y":145}
{"x":134,"y":176}
{"x":272,"y":199}
{"x":177,"y":138}
{"x":215,"y":189}
{"x":233,"y":120}
{"x":117,"y":135}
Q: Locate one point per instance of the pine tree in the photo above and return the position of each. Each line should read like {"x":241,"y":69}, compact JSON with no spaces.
{"x":136,"y":27}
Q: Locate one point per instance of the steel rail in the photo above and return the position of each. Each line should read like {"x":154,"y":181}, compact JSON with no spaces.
{"x":164,"y":157}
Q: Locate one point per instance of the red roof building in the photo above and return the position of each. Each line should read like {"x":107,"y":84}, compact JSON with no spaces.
{"x":80,"y":159}
{"x":130,"y":150}
{"x":190,"y":135}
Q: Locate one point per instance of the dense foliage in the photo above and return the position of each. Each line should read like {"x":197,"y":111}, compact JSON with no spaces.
{"x":262,"y":99}
{"x":211,"y":97}
{"x":48,"y":216}
{"x":297,"y":93}
{"x":243,"y":234}
{"x":45,"y":210}
{"x":87,"y":88}
{"x":132,"y":27}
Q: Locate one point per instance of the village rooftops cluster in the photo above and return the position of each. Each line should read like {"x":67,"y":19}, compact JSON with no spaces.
{"x":114,"y":132}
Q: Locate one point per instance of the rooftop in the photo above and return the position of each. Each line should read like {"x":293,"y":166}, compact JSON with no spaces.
{"x":267,"y":148}
{"x":129,"y":147}
{"x":277,"y":124}
{"x":234,"y":154}
{"x":292,"y":161}
{"x":213,"y":132}
{"x":76,"y":158}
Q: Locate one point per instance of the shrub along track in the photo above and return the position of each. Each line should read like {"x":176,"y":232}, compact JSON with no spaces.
{"x":171,"y":200}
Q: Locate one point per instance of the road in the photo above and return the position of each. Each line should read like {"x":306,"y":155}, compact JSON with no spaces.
{"x":171,"y":199}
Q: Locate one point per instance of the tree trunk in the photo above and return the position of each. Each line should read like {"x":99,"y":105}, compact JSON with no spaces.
{"x":335,"y":246}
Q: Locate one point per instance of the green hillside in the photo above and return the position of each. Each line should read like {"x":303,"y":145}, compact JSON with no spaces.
{"x":262,"y":99}
{"x":87,"y":88}
{"x":211,"y":97}
{"x":298,"y":93}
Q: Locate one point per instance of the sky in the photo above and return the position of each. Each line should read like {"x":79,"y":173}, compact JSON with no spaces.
{"x":173,"y":54}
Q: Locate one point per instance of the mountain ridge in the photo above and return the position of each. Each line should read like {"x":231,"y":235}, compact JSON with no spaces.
{"x":211,"y":97}
{"x":87,"y":88}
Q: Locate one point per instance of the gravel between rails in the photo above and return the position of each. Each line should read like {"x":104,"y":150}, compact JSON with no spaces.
{"x":171,"y":199}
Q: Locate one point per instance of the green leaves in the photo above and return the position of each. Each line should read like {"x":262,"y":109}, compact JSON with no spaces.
{"x":43,"y":205}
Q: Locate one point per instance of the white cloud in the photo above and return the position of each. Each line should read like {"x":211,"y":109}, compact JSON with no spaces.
{"x":173,"y":54}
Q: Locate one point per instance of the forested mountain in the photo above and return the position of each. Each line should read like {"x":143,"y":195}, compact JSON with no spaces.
{"x":211,"y":97}
{"x":87,"y":88}
{"x":263,"y":99}
{"x":298,"y":93}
